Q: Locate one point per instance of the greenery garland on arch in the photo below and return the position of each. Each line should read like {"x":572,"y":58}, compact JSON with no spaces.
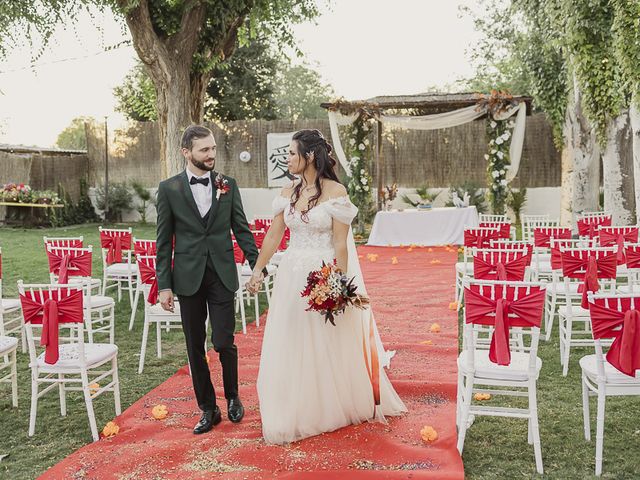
{"x":359,"y":153}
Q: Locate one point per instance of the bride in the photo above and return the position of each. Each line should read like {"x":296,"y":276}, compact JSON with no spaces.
{"x":315,"y":377}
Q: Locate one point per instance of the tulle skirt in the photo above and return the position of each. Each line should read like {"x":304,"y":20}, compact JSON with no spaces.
{"x":313,"y":376}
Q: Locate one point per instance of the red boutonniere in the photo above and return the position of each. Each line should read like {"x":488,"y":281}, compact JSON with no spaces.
{"x":222,"y":185}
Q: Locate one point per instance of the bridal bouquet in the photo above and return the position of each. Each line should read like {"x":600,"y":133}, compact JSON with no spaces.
{"x":329,"y":292}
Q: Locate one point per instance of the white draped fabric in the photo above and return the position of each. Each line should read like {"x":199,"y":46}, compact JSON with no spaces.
{"x":437,"y":121}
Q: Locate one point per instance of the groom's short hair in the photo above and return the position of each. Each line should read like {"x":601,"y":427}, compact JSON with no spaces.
{"x":193,"y":132}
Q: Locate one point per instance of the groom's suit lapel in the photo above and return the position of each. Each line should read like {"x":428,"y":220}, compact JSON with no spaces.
{"x":214,"y":200}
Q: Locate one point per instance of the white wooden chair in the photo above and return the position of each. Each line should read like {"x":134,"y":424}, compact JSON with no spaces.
{"x":600,"y":378}
{"x":491,"y":218}
{"x":11,"y":314}
{"x":79,"y":365}
{"x":153,"y":311}
{"x":474,"y":237}
{"x":531,"y":222}
{"x":573,"y":317}
{"x":8,"y":363}
{"x":512,"y":375}
{"x":99,"y":309}
{"x":140,"y":247}
{"x":119,"y":269}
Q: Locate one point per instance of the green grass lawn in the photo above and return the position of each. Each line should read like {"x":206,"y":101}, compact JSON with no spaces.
{"x":23,"y":257}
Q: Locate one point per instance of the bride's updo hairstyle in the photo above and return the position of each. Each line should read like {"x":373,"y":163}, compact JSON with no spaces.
{"x":311,"y":141}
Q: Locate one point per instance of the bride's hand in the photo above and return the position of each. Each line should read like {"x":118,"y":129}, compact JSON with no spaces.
{"x":253,"y":285}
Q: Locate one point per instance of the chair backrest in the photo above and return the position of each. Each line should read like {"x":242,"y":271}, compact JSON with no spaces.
{"x":67,"y":262}
{"x":73,"y":242}
{"x":503,"y":227}
{"x":588,"y":225}
{"x":491,"y":218}
{"x":502,"y":305}
{"x":557,"y":245}
{"x":500,"y":264}
{"x":147,"y":275}
{"x":531,"y":222}
{"x":542,"y":235}
{"x":617,"y":316}
{"x":593,"y":214}
{"x":114,"y":242}
{"x":50,"y":309}
{"x":588,"y":266}
{"x":608,"y":236}
{"x":144,"y":246}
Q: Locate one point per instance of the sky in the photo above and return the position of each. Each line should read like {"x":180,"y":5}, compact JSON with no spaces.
{"x":363,"y":48}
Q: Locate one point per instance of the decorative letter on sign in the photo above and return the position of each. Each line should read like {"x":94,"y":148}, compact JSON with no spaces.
{"x":277,"y":153}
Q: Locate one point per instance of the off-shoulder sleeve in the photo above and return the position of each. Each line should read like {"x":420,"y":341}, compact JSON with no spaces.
{"x":279,"y":204}
{"x":342,"y":210}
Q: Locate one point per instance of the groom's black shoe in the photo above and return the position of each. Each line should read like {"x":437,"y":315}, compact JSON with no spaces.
{"x":235,"y":410}
{"x":209,"y":419}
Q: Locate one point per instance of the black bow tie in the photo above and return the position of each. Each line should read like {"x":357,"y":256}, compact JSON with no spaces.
{"x":203,"y":181}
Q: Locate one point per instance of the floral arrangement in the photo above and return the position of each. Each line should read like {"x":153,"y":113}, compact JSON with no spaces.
{"x":21,"y":193}
{"x":499,"y":132}
{"x":359,"y":154}
{"x":222,"y":186}
{"x":389,"y":193}
{"x":330,"y":292}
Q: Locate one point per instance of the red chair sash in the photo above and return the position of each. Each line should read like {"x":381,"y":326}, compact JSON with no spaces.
{"x":588,"y":226}
{"x":632,"y":257}
{"x":481,"y":239}
{"x":115,"y":244}
{"x":501,"y":270}
{"x":527,"y":311}
{"x":68,"y":263}
{"x":238,"y":254}
{"x":608,"y":237}
{"x":603,"y":267}
{"x":53,"y":312}
{"x":148,"y":276}
{"x":145,"y":248}
{"x":542,"y":236}
{"x":504,"y":229}
{"x":624,"y":353}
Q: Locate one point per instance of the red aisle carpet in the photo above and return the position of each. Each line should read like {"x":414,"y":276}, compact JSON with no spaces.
{"x":408,"y":297}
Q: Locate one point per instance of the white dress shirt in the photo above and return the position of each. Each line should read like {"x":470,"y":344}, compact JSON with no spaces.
{"x":201,"y":194}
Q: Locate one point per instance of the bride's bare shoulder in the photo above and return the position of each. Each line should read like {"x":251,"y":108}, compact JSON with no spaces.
{"x":333,"y":189}
{"x":287,"y":190}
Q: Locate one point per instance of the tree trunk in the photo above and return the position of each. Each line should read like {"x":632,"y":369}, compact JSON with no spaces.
{"x":580,"y":163}
{"x":617,"y":164}
{"x":634,"y":116}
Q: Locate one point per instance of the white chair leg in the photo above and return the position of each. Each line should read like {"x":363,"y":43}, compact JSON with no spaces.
{"x":459,"y":398}
{"x":119,"y":282}
{"x":116,"y":385}
{"x":464,"y":417}
{"x":159,"y":339}
{"x":23,"y":338}
{"x":112,"y":325}
{"x":600,"y":428}
{"x":14,"y":379}
{"x":257,"y":309}
{"x":134,"y":308}
{"x":104,"y":282}
{"x":585,"y":409}
{"x":63,"y":395}
{"x":131,"y":283}
{"x":535,"y":430}
{"x":89,"y":404}
{"x":34,"y":406}
{"x":143,"y":347}
{"x":567,"y":345}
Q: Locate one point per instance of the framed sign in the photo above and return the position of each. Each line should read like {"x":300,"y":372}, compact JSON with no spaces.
{"x":277,"y":152}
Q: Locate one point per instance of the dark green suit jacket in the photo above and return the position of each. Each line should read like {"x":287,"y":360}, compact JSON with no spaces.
{"x":197,"y":242}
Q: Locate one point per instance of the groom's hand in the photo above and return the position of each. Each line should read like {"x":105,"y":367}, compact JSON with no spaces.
{"x":166,"y":300}
{"x":253,"y":285}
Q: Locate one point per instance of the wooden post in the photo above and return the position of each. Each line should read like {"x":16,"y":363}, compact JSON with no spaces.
{"x":379,"y":163}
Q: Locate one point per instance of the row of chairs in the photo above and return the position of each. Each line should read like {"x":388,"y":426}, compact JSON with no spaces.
{"x":548,"y":274}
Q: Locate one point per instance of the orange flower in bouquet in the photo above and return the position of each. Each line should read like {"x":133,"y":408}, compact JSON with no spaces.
{"x":330,"y":292}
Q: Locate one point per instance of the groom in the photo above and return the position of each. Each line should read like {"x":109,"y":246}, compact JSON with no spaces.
{"x":199,"y":208}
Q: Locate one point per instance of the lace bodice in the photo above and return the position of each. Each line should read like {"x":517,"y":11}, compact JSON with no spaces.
{"x":315,"y":234}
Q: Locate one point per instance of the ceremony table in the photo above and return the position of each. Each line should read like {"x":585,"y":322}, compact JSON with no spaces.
{"x":428,"y":227}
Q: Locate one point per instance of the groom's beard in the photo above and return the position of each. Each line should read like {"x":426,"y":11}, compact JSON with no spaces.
{"x":202,"y":165}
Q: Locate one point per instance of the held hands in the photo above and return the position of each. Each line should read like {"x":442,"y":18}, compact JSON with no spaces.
{"x":166,"y":300}
{"x":253,"y":285}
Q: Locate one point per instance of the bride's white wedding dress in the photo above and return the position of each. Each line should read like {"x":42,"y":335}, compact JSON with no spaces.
{"x":313,"y":376}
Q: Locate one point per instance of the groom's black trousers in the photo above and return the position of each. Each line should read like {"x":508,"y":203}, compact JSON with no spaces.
{"x":213,"y":295}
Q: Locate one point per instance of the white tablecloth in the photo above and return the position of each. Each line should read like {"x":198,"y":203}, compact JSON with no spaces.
{"x":436,"y":226}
